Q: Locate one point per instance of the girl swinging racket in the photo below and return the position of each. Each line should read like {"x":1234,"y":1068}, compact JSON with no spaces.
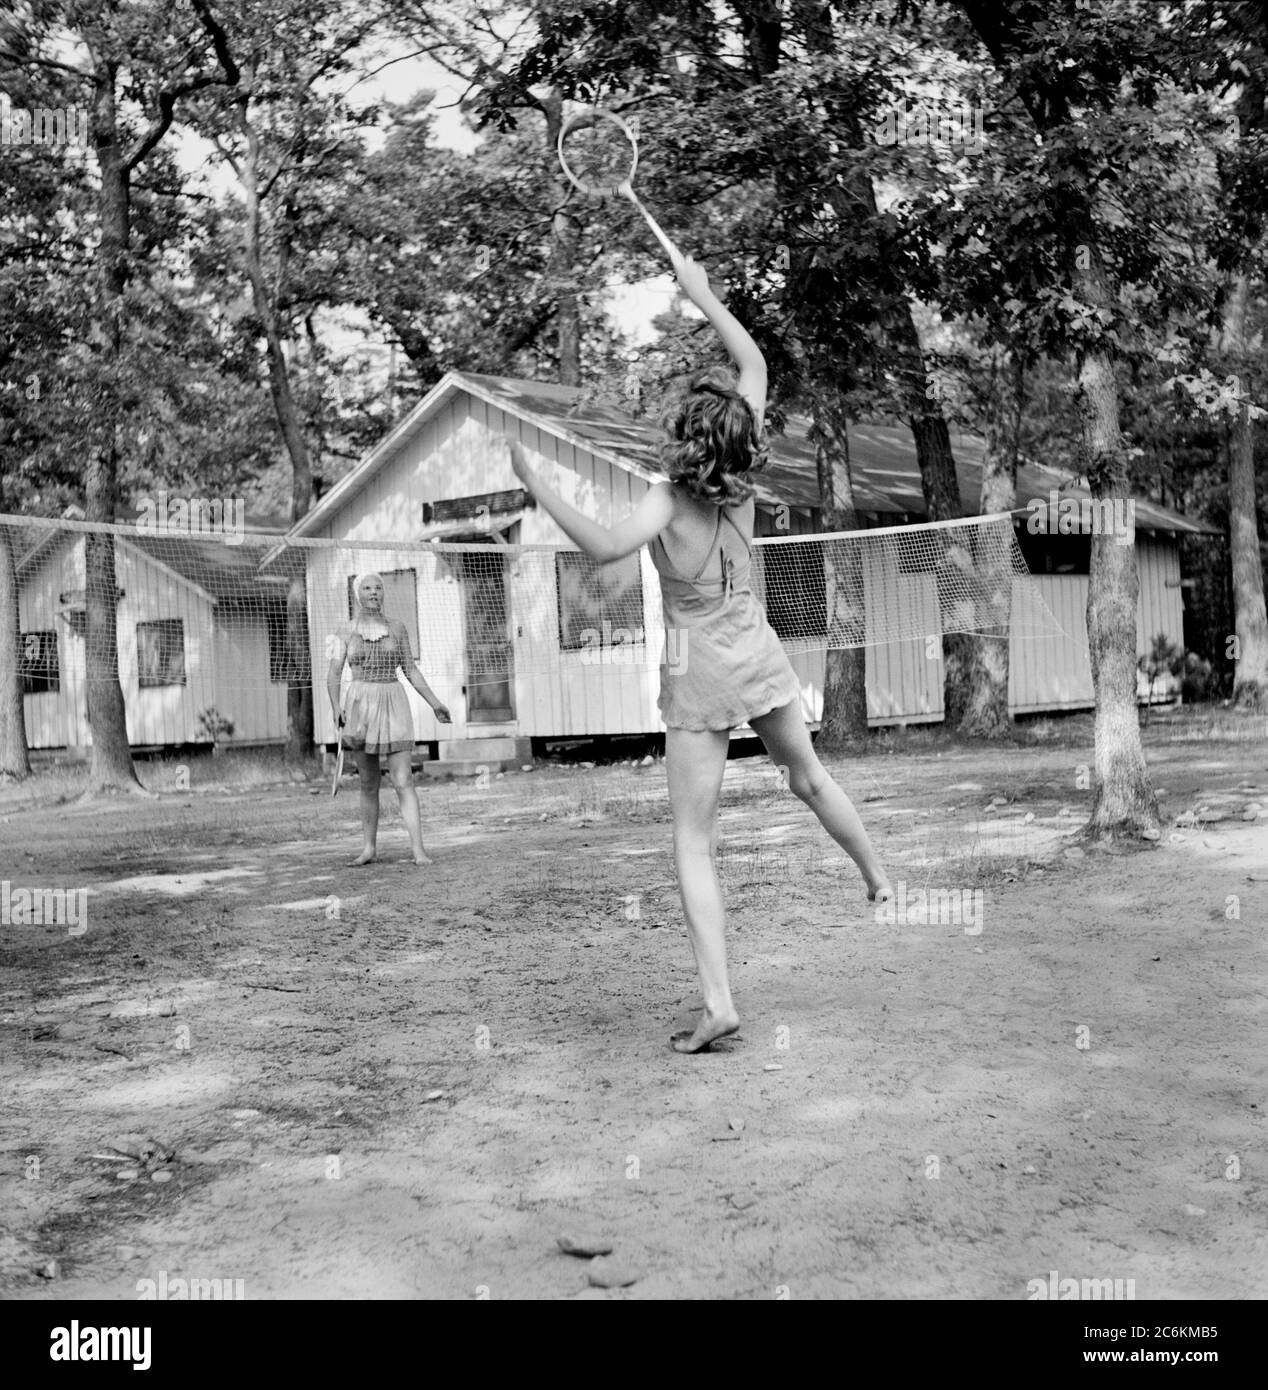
{"x":699,"y":527}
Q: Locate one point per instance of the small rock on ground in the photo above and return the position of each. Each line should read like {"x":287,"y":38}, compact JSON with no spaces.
{"x":585,"y":1246}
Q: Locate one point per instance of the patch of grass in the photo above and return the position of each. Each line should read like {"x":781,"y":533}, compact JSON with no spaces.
{"x":234,"y":769}
{"x":54,"y":784}
{"x":58,"y":783}
{"x":1205,"y":723}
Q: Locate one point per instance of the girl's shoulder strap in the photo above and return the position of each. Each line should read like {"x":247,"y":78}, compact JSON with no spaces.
{"x":748,"y":544}
{"x":713,"y":544}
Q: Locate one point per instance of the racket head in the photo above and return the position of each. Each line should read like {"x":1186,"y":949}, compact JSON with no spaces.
{"x":598,"y":152}
{"x":334,"y":781}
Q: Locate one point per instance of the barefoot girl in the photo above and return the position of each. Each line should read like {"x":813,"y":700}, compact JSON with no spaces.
{"x":377,"y":720}
{"x":734,"y":671}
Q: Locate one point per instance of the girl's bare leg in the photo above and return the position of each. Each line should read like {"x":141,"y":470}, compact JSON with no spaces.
{"x":401,"y":769}
{"x":368,"y":777}
{"x":695,"y":763}
{"x":787,"y":740}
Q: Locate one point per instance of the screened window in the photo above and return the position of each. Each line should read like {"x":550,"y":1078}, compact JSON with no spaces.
{"x":160,"y":653}
{"x":1055,"y":554}
{"x":39,"y":664}
{"x":599,"y":605}
{"x":796,"y":596}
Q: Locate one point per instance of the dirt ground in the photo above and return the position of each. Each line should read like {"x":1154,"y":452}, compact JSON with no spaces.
{"x":391,"y":1082}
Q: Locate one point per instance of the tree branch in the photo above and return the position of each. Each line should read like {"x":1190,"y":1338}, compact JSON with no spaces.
{"x":169,"y":96}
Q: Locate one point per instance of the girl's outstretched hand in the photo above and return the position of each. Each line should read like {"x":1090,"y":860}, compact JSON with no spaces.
{"x":519,"y":462}
{"x":693,"y":277}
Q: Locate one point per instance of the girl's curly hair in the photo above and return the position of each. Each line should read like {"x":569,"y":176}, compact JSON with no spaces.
{"x":714,"y":442}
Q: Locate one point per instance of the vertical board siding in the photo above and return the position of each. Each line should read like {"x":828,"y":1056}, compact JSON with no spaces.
{"x":1161,"y":605}
{"x":167,"y":713}
{"x":56,"y":718}
{"x":156,"y":715}
{"x":245,"y":694}
{"x":903,"y":682}
{"x":581,"y":695}
{"x":1053,"y":672}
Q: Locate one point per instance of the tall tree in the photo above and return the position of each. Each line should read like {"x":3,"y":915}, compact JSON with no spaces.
{"x":1064,"y":69}
{"x":138,"y":62}
{"x":844,"y":720}
{"x":1245,"y":178}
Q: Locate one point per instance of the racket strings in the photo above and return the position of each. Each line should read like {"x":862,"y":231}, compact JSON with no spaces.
{"x":598,"y":153}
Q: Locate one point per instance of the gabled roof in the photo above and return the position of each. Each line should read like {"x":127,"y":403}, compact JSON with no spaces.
{"x":882,"y":456}
{"x":230,"y":573}
{"x":59,"y":535}
{"x":221,"y":573}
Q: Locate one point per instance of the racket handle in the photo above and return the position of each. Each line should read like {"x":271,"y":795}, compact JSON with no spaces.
{"x":675,"y":255}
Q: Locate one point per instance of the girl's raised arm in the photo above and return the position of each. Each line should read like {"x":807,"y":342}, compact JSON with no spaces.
{"x":602,"y":543}
{"x":745,"y":353}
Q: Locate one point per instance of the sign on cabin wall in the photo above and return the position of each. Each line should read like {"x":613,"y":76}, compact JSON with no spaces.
{"x":484,"y":504}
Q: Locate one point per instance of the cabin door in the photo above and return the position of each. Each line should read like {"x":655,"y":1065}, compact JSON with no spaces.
{"x":484,"y":581}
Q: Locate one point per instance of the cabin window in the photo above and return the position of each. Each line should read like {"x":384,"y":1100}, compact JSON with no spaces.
{"x":796,"y":595}
{"x":599,"y":605}
{"x":160,"y":653}
{"x":1055,"y":554}
{"x":38,"y":663}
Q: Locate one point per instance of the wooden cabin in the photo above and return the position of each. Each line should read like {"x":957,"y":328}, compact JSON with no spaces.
{"x":199,"y":638}
{"x":443,"y":474}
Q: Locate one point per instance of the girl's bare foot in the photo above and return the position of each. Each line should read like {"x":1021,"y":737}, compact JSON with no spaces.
{"x":879,"y":890}
{"x":710,"y":1028}
{"x":422,"y":857}
{"x":367,"y":856}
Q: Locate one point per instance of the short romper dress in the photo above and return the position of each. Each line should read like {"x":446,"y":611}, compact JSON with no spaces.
{"x":727,"y":665}
{"x":377,"y":714}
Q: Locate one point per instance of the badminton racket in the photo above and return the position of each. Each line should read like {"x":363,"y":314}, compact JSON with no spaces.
{"x":334,"y":781}
{"x":598,"y":151}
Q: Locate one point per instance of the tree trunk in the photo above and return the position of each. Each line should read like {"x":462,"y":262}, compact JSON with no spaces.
{"x":300,"y":745}
{"x":1250,"y":619}
{"x":563,"y":259}
{"x":940,"y":487}
{"x":986,"y":713}
{"x":844,"y":721}
{"x":1124,"y":801}
{"x":111,"y":768}
{"x":15,"y":760}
